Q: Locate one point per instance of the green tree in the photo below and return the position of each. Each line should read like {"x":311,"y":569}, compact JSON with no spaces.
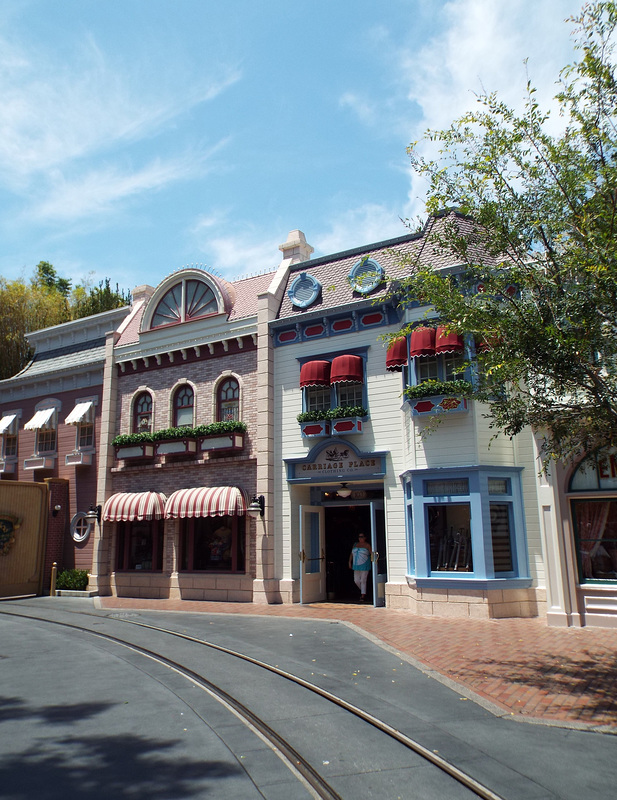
{"x":538,"y":280}
{"x":94,"y":300}
{"x":25,"y":308}
{"x":46,"y":300}
{"x":46,"y":275}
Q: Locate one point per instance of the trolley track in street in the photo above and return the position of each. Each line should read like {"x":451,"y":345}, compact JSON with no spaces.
{"x":296,"y":762}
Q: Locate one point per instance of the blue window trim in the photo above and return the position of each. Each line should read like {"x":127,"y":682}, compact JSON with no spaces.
{"x":357,"y":351}
{"x":479,"y":500}
{"x":359,"y":271}
{"x":315,"y":289}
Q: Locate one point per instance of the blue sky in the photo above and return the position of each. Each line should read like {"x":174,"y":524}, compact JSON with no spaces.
{"x":138,"y":136}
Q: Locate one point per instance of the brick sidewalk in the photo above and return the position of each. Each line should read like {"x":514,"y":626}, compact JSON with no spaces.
{"x":560,"y":675}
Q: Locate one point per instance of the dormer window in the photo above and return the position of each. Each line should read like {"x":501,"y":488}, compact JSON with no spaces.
{"x":365,"y":276}
{"x":187,"y":300}
{"x":304,"y":290}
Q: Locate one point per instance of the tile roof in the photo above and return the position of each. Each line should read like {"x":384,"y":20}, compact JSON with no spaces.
{"x":247,"y":290}
{"x":66,"y":359}
{"x":332,"y":271}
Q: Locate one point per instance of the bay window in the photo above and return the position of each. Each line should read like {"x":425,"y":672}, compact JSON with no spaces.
{"x":466,"y":525}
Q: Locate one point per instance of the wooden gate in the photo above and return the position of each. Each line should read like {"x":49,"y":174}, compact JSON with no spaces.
{"x":23,"y":529}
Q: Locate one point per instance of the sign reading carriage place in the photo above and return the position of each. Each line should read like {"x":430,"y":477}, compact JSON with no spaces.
{"x":336,"y":460}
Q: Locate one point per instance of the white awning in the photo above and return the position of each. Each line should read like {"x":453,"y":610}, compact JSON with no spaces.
{"x":81,"y":413}
{"x":6,"y":422}
{"x":40,"y":419}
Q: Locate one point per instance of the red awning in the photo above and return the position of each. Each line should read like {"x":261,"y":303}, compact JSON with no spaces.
{"x":129,"y":506}
{"x":422,"y":342}
{"x":203,"y":501}
{"x":315,"y":373}
{"x":448,"y":342}
{"x":396,"y":357}
{"x":347,"y":369}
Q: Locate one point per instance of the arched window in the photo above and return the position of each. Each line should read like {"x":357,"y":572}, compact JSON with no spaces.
{"x":187,"y":300}
{"x":142,"y":413}
{"x":184,"y":400}
{"x":228,"y":400}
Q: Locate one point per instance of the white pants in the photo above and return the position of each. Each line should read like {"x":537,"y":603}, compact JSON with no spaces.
{"x":360,"y":577}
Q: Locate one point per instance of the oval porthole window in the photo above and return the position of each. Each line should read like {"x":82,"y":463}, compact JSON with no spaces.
{"x":304,"y":290}
{"x":365,"y":276}
{"x":80,"y":527}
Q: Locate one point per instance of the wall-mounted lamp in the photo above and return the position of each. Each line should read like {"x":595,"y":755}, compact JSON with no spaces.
{"x":57,"y":508}
{"x":344,"y":492}
{"x":257,"y":506}
{"x":94,"y":514}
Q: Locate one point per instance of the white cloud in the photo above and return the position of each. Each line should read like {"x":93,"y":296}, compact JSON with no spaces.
{"x":57,"y":119}
{"x":368,"y":223}
{"x":239,"y":253}
{"x":99,"y":191}
{"x":361,"y":106}
{"x":482,"y":45}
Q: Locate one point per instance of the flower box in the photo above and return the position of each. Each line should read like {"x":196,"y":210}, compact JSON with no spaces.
{"x":223,"y":441}
{"x":315,"y":428}
{"x":130,"y":451}
{"x":77,"y":459}
{"x":7,"y":465}
{"x":439,"y":404}
{"x":39,"y":462}
{"x":167,"y":447}
{"x":347,"y":425}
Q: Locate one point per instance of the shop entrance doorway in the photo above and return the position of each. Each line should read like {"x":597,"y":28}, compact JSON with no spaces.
{"x":342,"y":526}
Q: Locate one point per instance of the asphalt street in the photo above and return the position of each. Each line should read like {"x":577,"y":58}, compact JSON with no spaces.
{"x":79,"y":716}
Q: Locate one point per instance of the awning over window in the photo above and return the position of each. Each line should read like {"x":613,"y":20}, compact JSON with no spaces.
{"x":40,"y":420}
{"x":6,"y":422}
{"x":315,"y":373}
{"x":396,"y":357}
{"x":129,"y":506}
{"x":448,"y":342}
{"x":347,"y":369}
{"x":422,"y":342}
{"x":203,"y":501}
{"x":81,"y":413}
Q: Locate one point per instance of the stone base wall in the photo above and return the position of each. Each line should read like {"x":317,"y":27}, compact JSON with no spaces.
{"x":183,"y":586}
{"x":467,"y":603}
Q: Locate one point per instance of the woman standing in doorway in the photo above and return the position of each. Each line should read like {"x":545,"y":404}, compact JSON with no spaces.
{"x":360,"y":562}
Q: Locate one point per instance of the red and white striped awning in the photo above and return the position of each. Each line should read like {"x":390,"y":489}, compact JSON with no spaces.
{"x":203,"y":501}
{"x":129,"y":506}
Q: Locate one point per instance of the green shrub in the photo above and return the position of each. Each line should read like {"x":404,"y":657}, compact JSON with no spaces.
{"x":431,"y":388}
{"x":213,"y":429}
{"x":75,"y":579}
{"x":340,"y":412}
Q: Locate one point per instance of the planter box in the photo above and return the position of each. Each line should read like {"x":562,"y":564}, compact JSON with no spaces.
{"x":175,"y":447}
{"x":7,"y":466}
{"x":343,"y":427}
{"x":440,"y":404}
{"x":134,"y":451}
{"x":40,"y":462}
{"x":222,"y":441}
{"x":319,"y":428}
{"x":77,"y":459}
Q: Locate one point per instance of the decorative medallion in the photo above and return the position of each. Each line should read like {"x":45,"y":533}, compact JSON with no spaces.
{"x":8,"y":526}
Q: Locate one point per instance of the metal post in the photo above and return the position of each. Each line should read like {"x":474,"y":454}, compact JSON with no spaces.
{"x":54,"y":573}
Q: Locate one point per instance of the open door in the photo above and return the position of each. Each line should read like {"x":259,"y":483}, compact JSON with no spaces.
{"x":312,"y":554}
{"x":379,"y":571}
